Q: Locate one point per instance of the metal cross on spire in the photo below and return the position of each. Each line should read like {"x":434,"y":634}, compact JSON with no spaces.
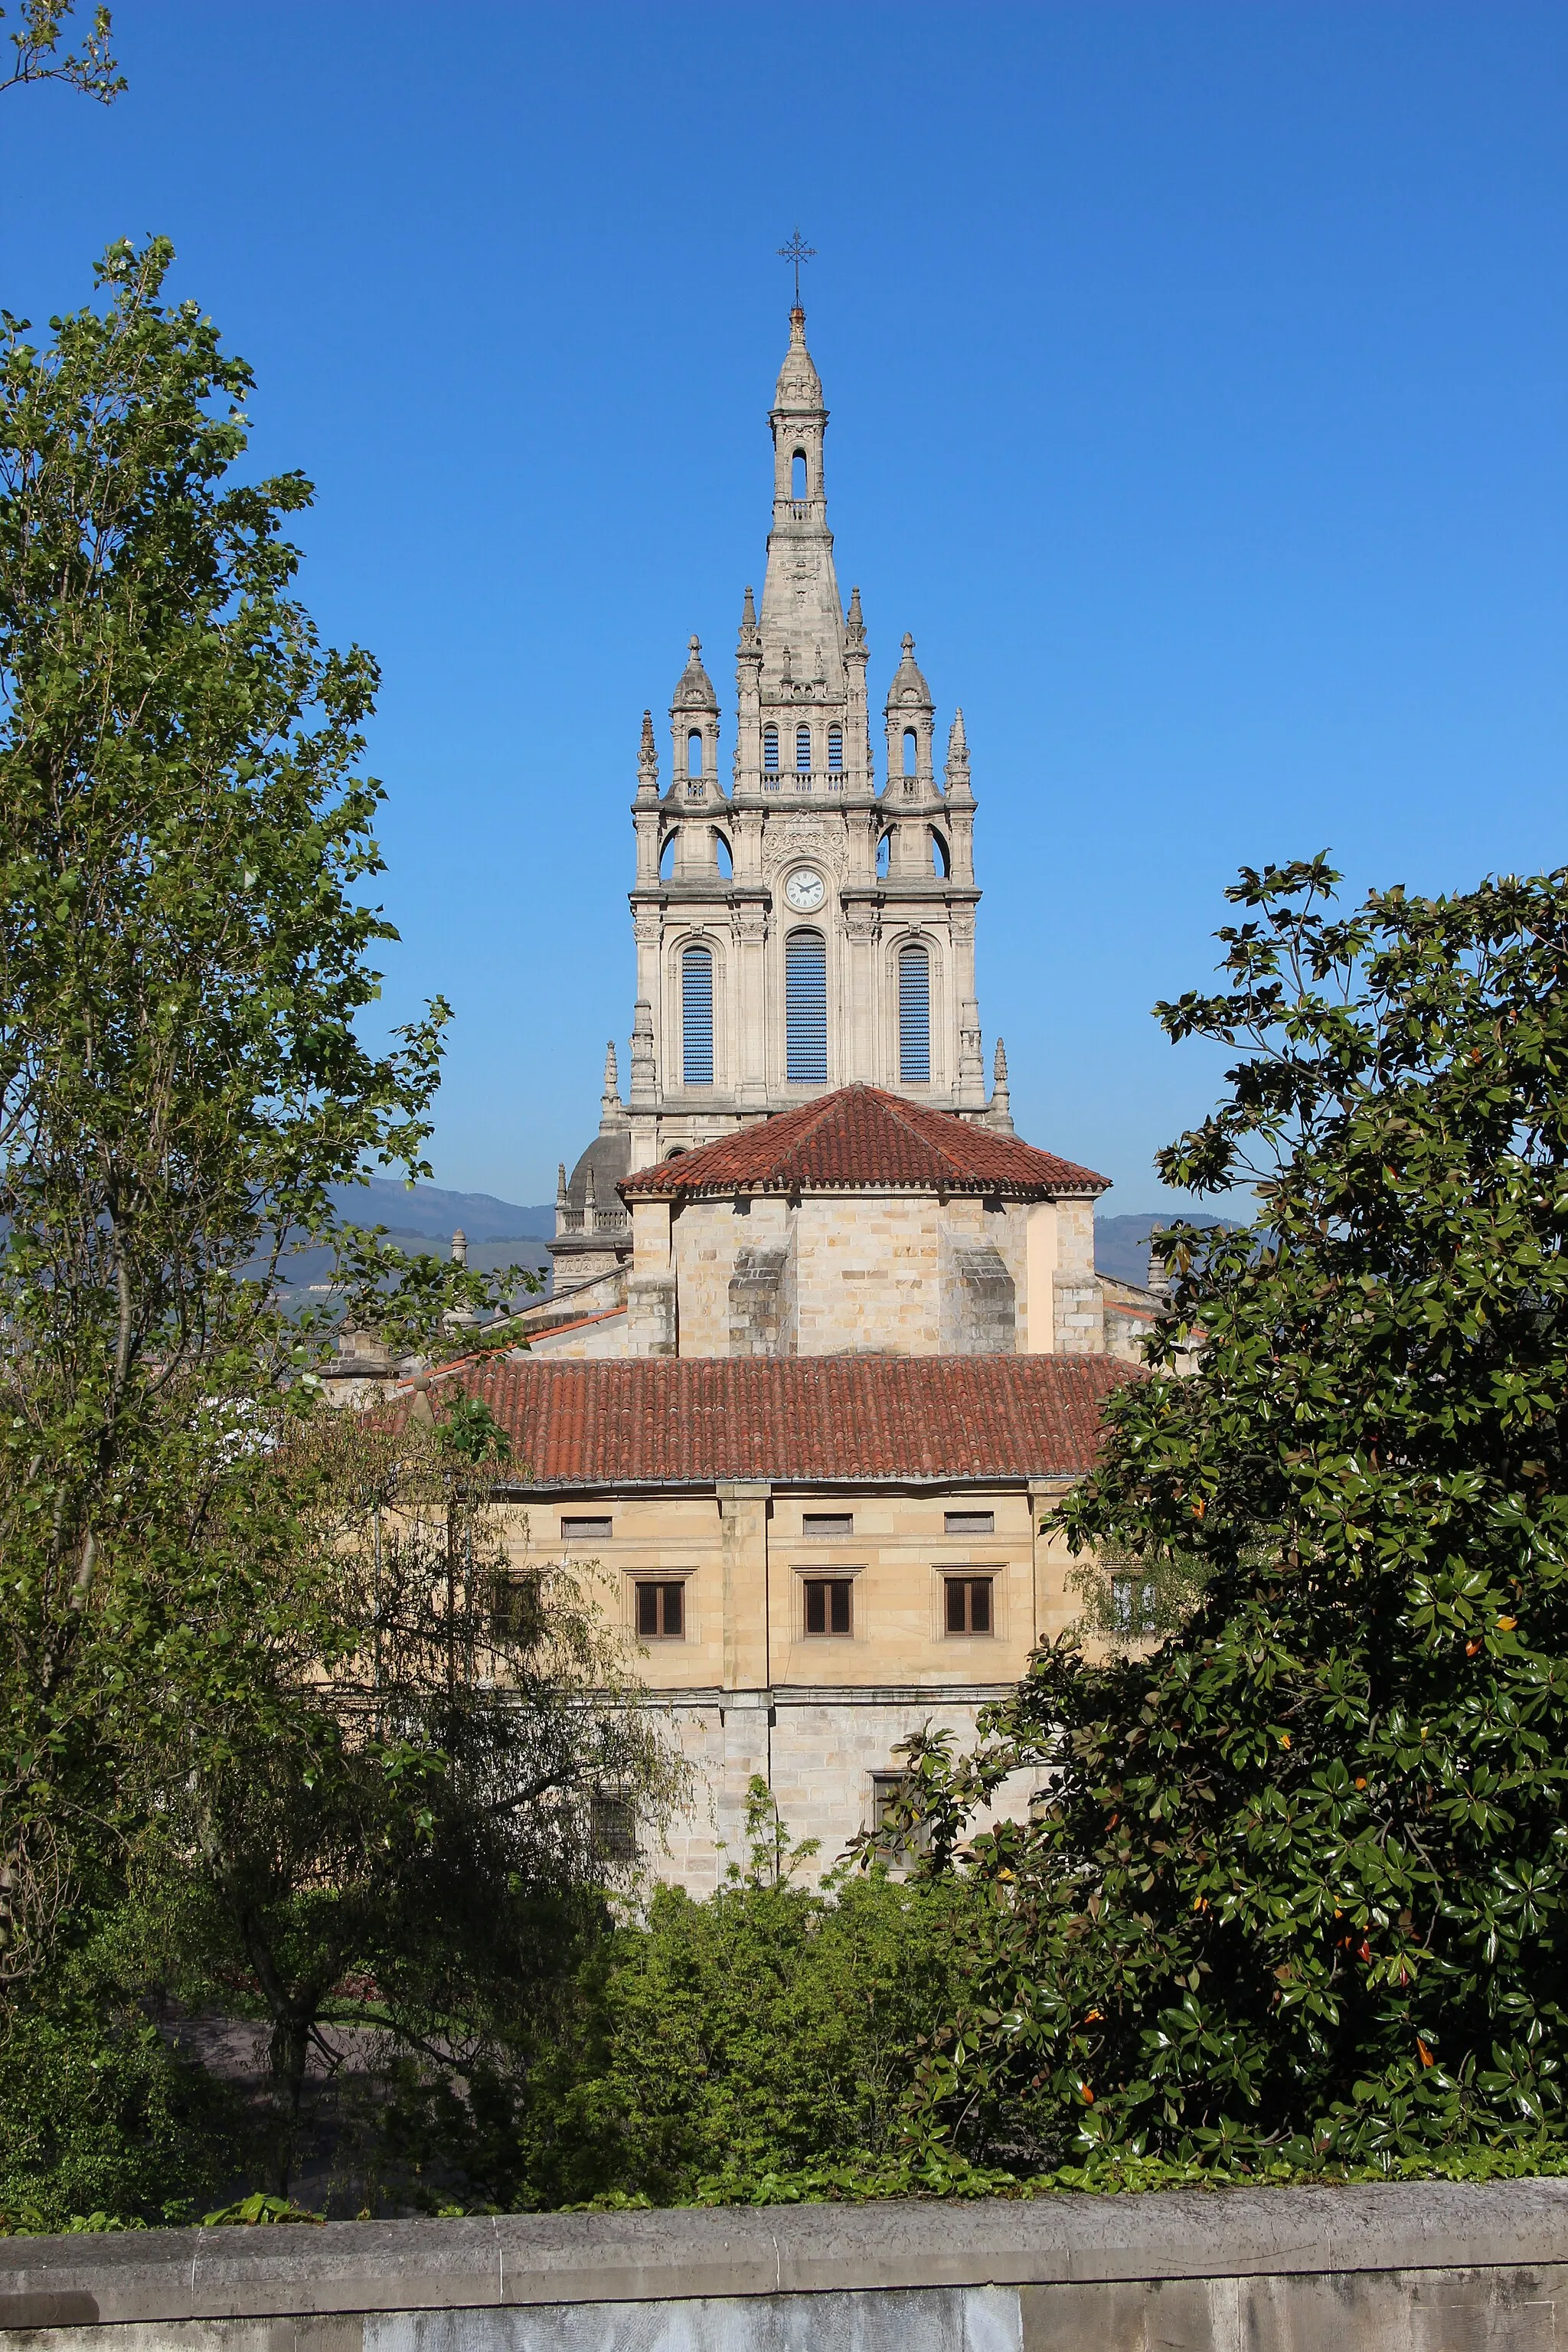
{"x":798,"y":250}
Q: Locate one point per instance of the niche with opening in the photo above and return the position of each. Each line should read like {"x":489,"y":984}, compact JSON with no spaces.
{"x":941,"y":864}
{"x":697,"y":1017}
{"x":914,"y":1016}
{"x":883,"y":854}
{"x":771,"y":750}
{"x":805,"y":1009}
{"x":726,"y":864}
{"x":798,"y":475}
{"x":667,"y":858}
{"x":911,"y":750}
{"x":694,"y":753}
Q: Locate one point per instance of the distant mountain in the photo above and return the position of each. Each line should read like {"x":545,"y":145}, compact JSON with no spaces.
{"x":1122,"y":1244}
{"x":436,"y":1215}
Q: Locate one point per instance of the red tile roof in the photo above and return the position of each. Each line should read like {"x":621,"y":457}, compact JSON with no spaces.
{"x":861,"y":1138}
{"x":689,"y":1419}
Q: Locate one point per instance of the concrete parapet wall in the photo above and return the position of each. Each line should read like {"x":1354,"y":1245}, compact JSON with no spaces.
{"x":1431,"y":2267}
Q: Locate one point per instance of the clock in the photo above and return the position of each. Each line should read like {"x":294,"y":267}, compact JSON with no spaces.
{"x":806,"y":890}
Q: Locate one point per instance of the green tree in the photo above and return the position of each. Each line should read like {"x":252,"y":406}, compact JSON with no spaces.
{"x":185,"y":962}
{"x":91,"y":68}
{"x":1299,"y":1881}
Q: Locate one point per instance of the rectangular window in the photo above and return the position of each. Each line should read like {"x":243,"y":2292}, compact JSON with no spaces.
{"x":614,"y":1827}
{"x":517,"y":1612}
{"x":969,"y":1523}
{"x":586,"y":1531}
{"x":697,"y":1017}
{"x":829,"y":1605}
{"x":888,"y":1792}
{"x":828,"y":1523}
{"x":968,"y":1604}
{"x":662,"y":1612}
{"x":805,"y":1009}
{"x":1132,"y":1603}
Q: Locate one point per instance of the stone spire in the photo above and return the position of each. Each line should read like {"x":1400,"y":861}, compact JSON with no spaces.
{"x":561,"y":1197}
{"x":855,"y":621}
{"x":750,"y":634}
{"x":647,"y":762}
{"x":460,"y":1247}
{"x":610,"y":1114}
{"x":958,"y":791}
{"x":799,"y":389}
{"x":1000,"y":1115}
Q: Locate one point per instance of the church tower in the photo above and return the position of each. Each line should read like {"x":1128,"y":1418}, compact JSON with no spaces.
{"x":808,"y":926}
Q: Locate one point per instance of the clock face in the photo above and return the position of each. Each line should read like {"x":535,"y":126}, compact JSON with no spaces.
{"x":806,"y":890}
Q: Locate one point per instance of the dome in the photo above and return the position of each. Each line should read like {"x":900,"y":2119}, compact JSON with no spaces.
{"x":908,"y":690}
{"x":610,"y":1157}
{"x":694,"y":687}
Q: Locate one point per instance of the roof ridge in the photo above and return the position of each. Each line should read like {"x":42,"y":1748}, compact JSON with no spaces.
{"x":899,"y":1110}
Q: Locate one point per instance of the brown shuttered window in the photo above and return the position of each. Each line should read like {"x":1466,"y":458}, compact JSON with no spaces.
{"x":662,"y":1612}
{"x":829,"y":1604}
{"x":968,"y":1604}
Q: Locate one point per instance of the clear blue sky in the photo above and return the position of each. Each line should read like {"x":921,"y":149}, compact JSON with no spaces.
{"x":1197,"y":375}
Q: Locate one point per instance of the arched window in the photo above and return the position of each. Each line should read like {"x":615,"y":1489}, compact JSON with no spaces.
{"x":666,"y":857}
{"x":803,"y":750}
{"x":697,"y":1017}
{"x":911,"y":750}
{"x":941,"y":864}
{"x":836,"y":747}
{"x":722,"y":852}
{"x":771,"y":750}
{"x":694,"y":753}
{"x":805,"y":1009}
{"x":884,"y":855}
{"x":798,"y":475}
{"x":914,"y":1016}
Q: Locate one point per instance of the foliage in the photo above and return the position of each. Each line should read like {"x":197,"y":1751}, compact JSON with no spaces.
{"x":1125,"y":1599}
{"x":715,"y":2045}
{"x":98,"y":2114}
{"x":1299,"y":1886}
{"x":91,"y":68}
{"x":258,"y":2211}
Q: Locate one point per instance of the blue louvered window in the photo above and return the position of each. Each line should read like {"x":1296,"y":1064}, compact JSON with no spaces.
{"x":771,"y":750}
{"x":697,"y":1017}
{"x":805,"y":1009}
{"x":836,"y":747}
{"x":803,"y":750}
{"x":914,"y":1017}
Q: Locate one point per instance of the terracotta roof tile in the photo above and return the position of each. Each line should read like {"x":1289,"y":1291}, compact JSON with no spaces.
{"x":858,"y":1138}
{"x":689,"y":1421}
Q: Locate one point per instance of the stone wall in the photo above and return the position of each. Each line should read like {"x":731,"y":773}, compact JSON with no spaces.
{"x":1435,"y":2266}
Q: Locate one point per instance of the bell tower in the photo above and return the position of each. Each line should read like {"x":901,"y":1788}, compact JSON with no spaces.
{"x":806,"y":927}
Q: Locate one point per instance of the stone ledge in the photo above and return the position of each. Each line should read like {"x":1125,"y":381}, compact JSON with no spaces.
{"x":169,"y":2275}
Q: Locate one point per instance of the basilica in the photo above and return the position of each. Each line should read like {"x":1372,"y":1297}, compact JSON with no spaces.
{"x":826,"y":1339}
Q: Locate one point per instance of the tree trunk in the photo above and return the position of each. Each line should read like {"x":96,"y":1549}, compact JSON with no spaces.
{"x":290,"y":2049}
